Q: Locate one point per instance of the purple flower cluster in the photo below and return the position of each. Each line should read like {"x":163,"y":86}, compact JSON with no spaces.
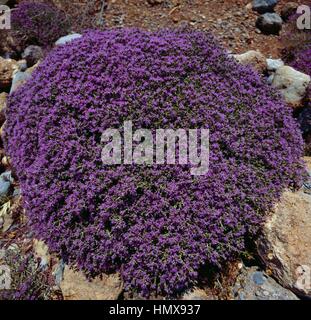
{"x":302,"y":62}
{"x":38,"y":23}
{"x":157,"y":225}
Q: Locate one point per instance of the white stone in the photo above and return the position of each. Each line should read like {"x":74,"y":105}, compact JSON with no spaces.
{"x":292,"y":84}
{"x":67,"y":39}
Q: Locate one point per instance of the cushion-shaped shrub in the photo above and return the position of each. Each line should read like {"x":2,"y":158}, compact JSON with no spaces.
{"x":38,"y":23}
{"x":155,"y":224}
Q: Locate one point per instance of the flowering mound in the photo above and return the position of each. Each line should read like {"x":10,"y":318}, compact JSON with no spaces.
{"x":38,"y":23}
{"x":155,"y":224}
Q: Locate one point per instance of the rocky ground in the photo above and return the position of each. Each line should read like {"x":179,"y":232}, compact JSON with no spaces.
{"x":276,"y":267}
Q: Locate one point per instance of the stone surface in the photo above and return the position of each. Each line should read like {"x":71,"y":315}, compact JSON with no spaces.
{"x":269,"y":23}
{"x":254,"y":58}
{"x":6,"y":162}
{"x":19,"y":79}
{"x":253,"y":284}
{"x":8,"y":211}
{"x":76,"y":287}
{"x":32,"y":54}
{"x":6,"y":219}
{"x":68,"y":38}
{"x":197,"y":294}
{"x":274,"y":64}
{"x":6,"y":181}
{"x":285,"y":243}
{"x":263,"y":6}
{"x":7,"y":68}
{"x":3,"y":97}
{"x":41,"y":251}
{"x":288,"y":10}
{"x":22,"y":65}
{"x":292,"y":84}
{"x":58,"y":272}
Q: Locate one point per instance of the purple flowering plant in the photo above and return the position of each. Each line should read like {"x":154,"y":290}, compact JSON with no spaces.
{"x":38,"y":23}
{"x":157,"y":225}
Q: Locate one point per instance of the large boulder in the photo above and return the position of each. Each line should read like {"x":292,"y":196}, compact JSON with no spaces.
{"x":75,"y":286}
{"x":253,"y":58}
{"x":285,"y":243}
{"x":254,"y":284}
{"x":269,"y":23}
{"x":7,"y":68}
{"x":293,"y":84}
{"x":263,"y":6}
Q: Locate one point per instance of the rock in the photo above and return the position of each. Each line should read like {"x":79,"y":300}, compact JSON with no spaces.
{"x":32,"y":54}
{"x":197,"y":294}
{"x":263,"y":6}
{"x":22,"y":65}
{"x":6,"y":181}
{"x":9,"y":211}
{"x":67,"y":39}
{"x":288,"y":10}
{"x":19,"y":79}
{"x":3,"y":97}
{"x":253,"y":284}
{"x":249,"y":6}
{"x":6,"y":218}
{"x":285,"y":243}
{"x":58,"y":272}
{"x":75,"y":286}
{"x":7,"y":68}
{"x":274,"y":64}
{"x":270,"y":78}
{"x":17,"y":192}
{"x":269,"y":23}
{"x":254,"y":58}
{"x":293,"y":84}
{"x":5,"y":161}
{"x":41,"y":251}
